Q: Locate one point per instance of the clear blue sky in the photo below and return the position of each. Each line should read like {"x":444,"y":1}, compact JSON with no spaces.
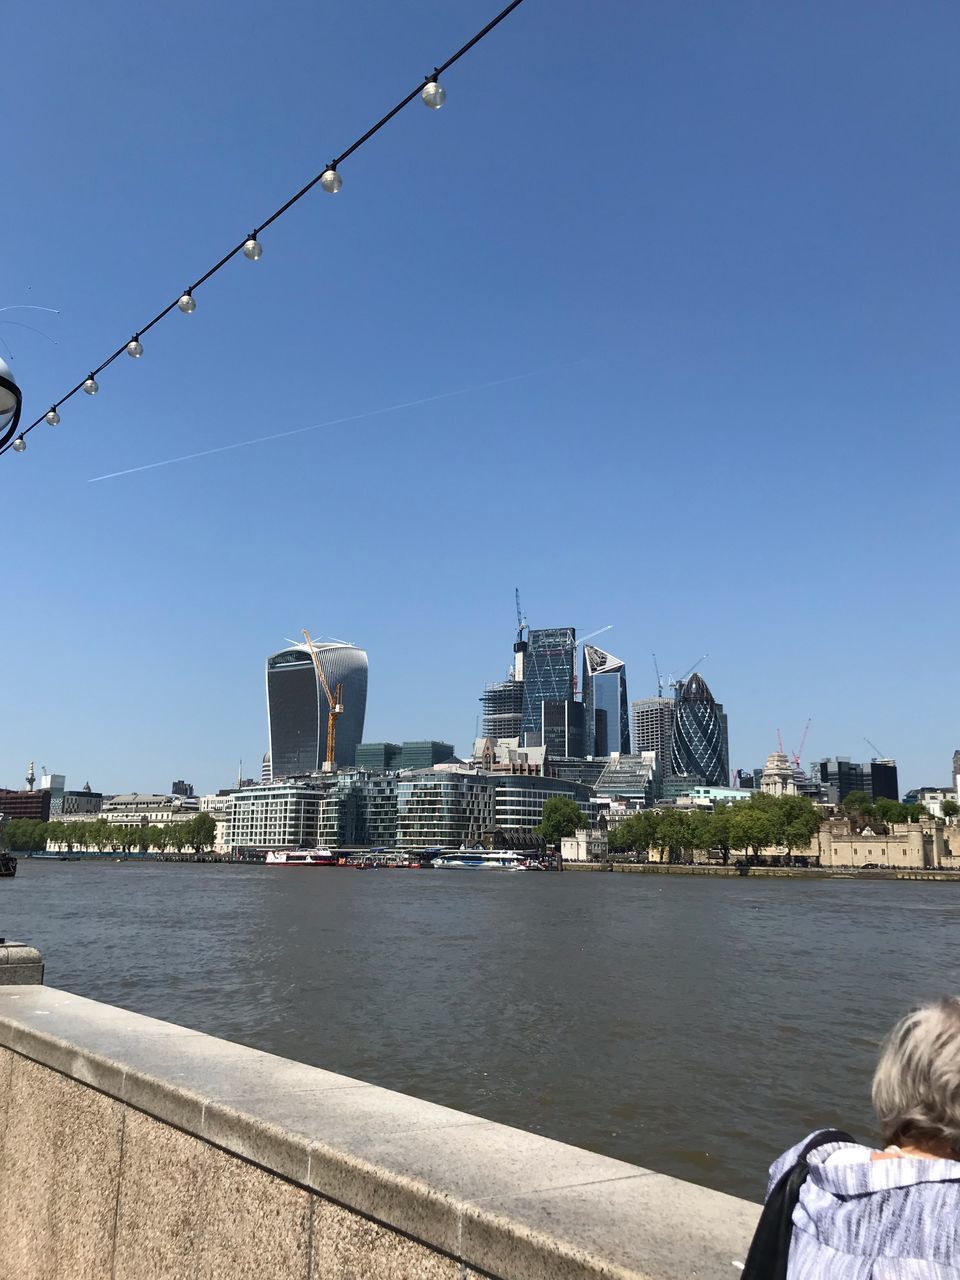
{"x":721,"y":238}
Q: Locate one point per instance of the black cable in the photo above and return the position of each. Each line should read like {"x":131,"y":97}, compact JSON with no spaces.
{"x":334,"y":164}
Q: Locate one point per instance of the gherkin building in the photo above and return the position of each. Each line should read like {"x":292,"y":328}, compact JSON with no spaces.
{"x":700,"y":748}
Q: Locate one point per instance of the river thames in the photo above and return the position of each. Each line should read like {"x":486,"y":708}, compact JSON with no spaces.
{"x":696,"y":1026}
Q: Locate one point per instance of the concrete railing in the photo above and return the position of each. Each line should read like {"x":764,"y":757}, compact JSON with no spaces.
{"x":133,"y":1149}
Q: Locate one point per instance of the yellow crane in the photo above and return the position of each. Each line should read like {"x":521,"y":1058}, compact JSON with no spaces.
{"x":334,"y":703}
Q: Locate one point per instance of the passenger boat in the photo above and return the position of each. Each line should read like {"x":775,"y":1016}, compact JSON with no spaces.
{"x":481,"y":860}
{"x":300,"y":858}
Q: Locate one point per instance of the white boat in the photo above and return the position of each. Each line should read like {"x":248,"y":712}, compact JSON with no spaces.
{"x":301,"y":858}
{"x":480,"y":860}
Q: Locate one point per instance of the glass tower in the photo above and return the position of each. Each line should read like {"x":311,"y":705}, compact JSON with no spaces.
{"x":700,"y":748}
{"x":297,"y":707}
{"x":548,"y":676}
{"x":607,"y":714}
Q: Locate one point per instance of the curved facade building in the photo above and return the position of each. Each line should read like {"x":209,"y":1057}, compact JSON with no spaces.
{"x":297,"y":706}
{"x":700,"y":749}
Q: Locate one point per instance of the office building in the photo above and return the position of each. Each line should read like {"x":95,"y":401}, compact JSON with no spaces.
{"x":379,"y":756}
{"x":148,"y":810}
{"x":606,"y":709}
{"x":54,"y":783}
{"x":443,"y":809}
{"x":278,"y":816}
{"x":839,"y":775}
{"x":519,"y":801}
{"x":384,"y":757}
{"x":561,"y":728}
{"x":181,"y":788}
{"x":631,"y":777}
{"x":652,"y":723}
{"x":297,"y":707}
{"x":502,"y":704}
{"x":549,"y":677}
{"x":700,"y":753}
{"x":25,"y":804}
{"x":84,"y":801}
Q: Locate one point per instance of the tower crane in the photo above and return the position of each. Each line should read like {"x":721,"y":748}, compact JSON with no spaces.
{"x":656,"y":667}
{"x":673,"y":683}
{"x":803,"y":742}
{"x":880,"y":755}
{"x":521,"y":620}
{"x":334,"y":703}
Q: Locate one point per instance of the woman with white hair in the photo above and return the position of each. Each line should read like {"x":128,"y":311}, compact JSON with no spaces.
{"x":836,"y":1210}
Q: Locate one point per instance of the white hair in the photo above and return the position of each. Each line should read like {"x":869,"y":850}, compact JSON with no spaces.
{"x":916,"y":1087}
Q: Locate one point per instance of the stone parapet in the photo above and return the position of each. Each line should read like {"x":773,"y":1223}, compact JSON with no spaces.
{"x":19,"y":964}
{"x":132,"y":1149}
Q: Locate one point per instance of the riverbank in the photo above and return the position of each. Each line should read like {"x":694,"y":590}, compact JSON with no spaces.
{"x":795,"y":873}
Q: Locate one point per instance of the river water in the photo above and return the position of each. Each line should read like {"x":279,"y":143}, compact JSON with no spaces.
{"x":696,"y":1026}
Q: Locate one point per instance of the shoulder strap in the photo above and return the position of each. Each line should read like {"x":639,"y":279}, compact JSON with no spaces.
{"x":770,"y":1249}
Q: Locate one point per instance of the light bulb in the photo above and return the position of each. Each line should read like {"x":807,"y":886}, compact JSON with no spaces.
{"x":52,"y":418}
{"x":91,"y":386}
{"x":331,"y":181}
{"x":253,"y":249}
{"x":19,"y":444}
{"x":187,"y":304}
{"x":135,"y":348}
{"x":433,"y":94}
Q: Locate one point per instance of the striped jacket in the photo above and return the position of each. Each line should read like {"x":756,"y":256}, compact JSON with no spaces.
{"x":863,"y":1219}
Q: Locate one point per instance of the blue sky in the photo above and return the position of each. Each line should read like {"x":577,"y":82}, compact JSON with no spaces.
{"x":720,"y":240}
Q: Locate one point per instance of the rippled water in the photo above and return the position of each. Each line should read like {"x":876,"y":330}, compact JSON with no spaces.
{"x":693,"y":1025}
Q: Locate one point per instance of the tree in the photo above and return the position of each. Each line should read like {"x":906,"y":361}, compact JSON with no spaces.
{"x":951,"y":808}
{"x":751,"y":827}
{"x":202,"y":829}
{"x":699,"y":829}
{"x":561,"y":817}
{"x":635,"y":834}
{"x":673,"y":834}
{"x":796,"y":822}
{"x":178,"y":836}
{"x":721,"y":830}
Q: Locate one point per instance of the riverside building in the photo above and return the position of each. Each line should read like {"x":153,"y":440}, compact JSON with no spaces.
{"x":444,"y":809}
{"x":297,"y":707}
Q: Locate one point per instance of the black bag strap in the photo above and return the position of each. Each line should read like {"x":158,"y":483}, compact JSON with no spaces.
{"x":770,"y":1249}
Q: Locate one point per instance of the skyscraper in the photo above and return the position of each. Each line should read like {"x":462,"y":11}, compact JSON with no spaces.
{"x":549,"y":672}
{"x":297,"y":706}
{"x":652,"y":729}
{"x":701,"y":751}
{"x":606,"y":713}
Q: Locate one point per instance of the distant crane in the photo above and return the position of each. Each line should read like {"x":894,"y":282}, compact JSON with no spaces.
{"x":334,"y":702}
{"x":674,"y":683}
{"x":656,"y":667}
{"x":803,"y":742}
{"x":880,"y":755}
{"x":522,"y":624}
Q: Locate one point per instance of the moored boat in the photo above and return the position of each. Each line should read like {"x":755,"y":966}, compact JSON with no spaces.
{"x":481,"y":860}
{"x":300,"y":858}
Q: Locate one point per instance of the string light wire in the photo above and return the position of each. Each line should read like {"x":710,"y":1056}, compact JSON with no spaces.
{"x":278,"y":213}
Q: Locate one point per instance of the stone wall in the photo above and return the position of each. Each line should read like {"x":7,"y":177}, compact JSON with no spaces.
{"x":133,"y":1149}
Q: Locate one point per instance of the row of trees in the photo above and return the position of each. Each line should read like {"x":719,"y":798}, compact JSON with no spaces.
{"x":750,"y":826}
{"x":23,"y":835}
{"x":863,"y":811}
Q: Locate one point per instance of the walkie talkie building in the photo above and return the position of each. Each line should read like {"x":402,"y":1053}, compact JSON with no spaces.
{"x":297,"y":706}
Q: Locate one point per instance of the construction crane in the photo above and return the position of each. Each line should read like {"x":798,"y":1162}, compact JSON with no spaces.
{"x":522,"y":624}
{"x":880,"y":755}
{"x":334,"y":703}
{"x":803,"y":742}
{"x":656,"y":667}
{"x":674,"y":683}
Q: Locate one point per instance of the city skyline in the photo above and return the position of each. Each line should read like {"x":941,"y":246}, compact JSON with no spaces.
{"x":776,"y":350}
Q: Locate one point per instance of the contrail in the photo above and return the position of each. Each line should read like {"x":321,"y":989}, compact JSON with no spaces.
{"x":318,"y":426}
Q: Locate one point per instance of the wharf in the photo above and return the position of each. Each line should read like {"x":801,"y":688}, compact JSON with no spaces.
{"x":796,"y":873}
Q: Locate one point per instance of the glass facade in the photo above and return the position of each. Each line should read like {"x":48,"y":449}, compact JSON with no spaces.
{"x":520,"y":799}
{"x":629,"y":777}
{"x":839,"y":775}
{"x":549,"y":670}
{"x":441,"y":810}
{"x":606,"y":709}
{"x":297,"y":707}
{"x":700,"y":750}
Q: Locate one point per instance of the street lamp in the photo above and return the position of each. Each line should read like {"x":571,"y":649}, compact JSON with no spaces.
{"x":11,"y":402}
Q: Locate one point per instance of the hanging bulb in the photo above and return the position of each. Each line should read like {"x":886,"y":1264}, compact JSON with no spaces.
{"x":52,"y":418}
{"x":253,"y":249}
{"x":331,"y":181}
{"x":433,"y":94}
{"x":19,"y":444}
{"x":91,"y":386}
{"x":187,"y":304}
{"x":135,"y":348}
